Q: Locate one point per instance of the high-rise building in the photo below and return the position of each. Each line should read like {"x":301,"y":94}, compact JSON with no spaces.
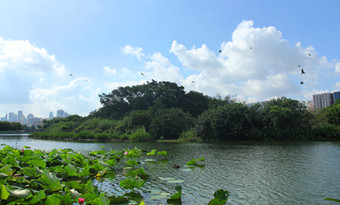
{"x":11,"y":117}
{"x":336,"y":96}
{"x":21,"y":117}
{"x":50,"y":116}
{"x":60,"y":113}
{"x":322,"y":100}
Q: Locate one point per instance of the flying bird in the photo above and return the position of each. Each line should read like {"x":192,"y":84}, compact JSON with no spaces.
{"x":71,"y":74}
{"x":301,"y":82}
{"x":142,"y":74}
{"x":309,"y":54}
{"x":192,"y":81}
{"x":299,"y":65}
{"x":302,"y":71}
{"x":220,"y":51}
{"x":251,"y":47}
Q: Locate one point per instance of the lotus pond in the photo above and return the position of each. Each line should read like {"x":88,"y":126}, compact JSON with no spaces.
{"x":252,"y":172}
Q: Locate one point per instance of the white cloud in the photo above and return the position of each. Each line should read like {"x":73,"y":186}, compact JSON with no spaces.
{"x":337,"y":67}
{"x":109,"y":71}
{"x":136,"y":51}
{"x":22,"y":65}
{"x":256,"y":64}
{"x":72,"y":97}
{"x":22,"y":56}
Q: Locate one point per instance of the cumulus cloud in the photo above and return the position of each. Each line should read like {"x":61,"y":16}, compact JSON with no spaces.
{"x":136,"y":51}
{"x":337,"y":67}
{"x":21,"y":66}
{"x":108,"y":71}
{"x":78,"y":92}
{"x":256,"y":64}
{"x":22,"y":56}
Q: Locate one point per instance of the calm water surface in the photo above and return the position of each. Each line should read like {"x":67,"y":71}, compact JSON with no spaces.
{"x":253,"y":172}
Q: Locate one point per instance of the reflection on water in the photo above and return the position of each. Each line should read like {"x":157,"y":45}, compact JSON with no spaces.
{"x":253,"y":172}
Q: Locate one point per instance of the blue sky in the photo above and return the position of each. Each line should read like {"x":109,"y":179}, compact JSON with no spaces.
{"x":106,"y":44}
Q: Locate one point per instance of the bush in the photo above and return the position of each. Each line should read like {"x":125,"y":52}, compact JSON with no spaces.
{"x":140,"y":135}
{"x":326,"y":132}
{"x":189,"y":136}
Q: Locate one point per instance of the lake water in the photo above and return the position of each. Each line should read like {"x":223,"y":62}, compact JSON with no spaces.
{"x":253,"y":172}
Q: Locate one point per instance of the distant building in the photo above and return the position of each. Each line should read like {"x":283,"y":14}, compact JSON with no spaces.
{"x":12,"y":117}
{"x":21,"y":117}
{"x":62,"y":114}
{"x":50,"y":116}
{"x":310,"y":105}
{"x":322,"y":100}
{"x":336,"y":96}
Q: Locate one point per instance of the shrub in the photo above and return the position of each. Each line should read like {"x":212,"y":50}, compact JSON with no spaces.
{"x":140,"y":135}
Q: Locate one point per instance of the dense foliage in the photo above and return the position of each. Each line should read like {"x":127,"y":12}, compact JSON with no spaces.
{"x":163,"y":110}
{"x":122,"y":101}
{"x":10,"y":126}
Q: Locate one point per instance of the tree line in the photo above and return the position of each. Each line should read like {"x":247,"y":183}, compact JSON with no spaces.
{"x":163,"y":110}
{"x":10,"y":126}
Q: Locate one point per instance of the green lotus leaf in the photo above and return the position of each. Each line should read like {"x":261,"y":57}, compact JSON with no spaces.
{"x":101,"y":200}
{"x":200,"y":159}
{"x":89,"y":186}
{"x":37,"y":198}
{"x":131,"y":162}
{"x":28,"y":152}
{"x":38,"y":163}
{"x":221,"y":197}
{"x":162,"y":153}
{"x":7,"y":170}
{"x":130,"y":183}
{"x":176,"y":198}
{"x":10,"y":160}
{"x":85,"y":172}
{"x":4,"y":193}
{"x":192,"y":162}
{"x":118,"y":199}
{"x":71,"y":170}
{"x":51,"y":181}
{"x":153,"y":152}
{"x":53,"y":200}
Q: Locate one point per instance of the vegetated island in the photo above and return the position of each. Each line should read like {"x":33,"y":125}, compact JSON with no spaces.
{"x":164,"y":111}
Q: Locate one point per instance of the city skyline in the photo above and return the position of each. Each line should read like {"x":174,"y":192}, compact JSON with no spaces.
{"x":61,"y":54}
{"x":20,"y":116}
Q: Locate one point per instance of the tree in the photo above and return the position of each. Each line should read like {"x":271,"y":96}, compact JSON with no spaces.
{"x":332,"y":114}
{"x":120,"y":102}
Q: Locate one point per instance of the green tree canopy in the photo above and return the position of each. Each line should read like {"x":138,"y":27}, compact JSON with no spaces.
{"x":123,"y":100}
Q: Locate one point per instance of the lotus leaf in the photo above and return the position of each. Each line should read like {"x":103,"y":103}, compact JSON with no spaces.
{"x":101,"y":200}
{"x":21,"y":194}
{"x":71,"y":170}
{"x":130,"y":183}
{"x":37,"y":198}
{"x":153,"y":152}
{"x":4,"y":192}
{"x":176,"y":198}
{"x":162,"y":153}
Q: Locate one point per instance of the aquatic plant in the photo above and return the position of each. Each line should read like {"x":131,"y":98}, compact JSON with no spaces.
{"x":66,"y":177}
